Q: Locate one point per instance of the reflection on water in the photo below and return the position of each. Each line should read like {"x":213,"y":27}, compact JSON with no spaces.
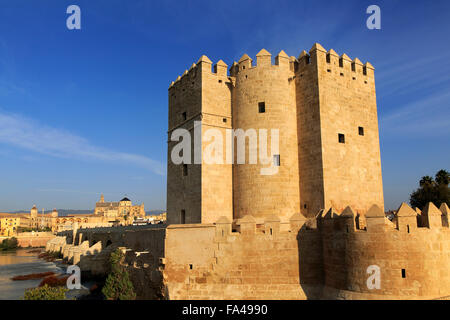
{"x":21,"y":262}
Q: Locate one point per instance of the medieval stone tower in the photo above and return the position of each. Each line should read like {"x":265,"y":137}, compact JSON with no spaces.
{"x":324,"y":108}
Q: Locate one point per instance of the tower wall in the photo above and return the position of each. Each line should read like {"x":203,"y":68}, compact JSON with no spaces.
{"x":255,"y":193}
{"x":351,"y":170}
{"x":217,"y":178}
{"x":309,"y":135}
{"x":184,"y":192}
{"x":198,"y":101}
{"x":336,"y":96}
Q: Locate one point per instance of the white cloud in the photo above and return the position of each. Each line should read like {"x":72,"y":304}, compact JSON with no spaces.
{"x":26,"y":133}
{"x":428,"y":116}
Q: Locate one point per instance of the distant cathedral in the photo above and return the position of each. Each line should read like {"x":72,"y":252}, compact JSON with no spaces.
{"x":118,"y":209}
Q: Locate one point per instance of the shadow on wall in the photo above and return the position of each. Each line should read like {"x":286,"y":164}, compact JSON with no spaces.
{"x":311,"y":274}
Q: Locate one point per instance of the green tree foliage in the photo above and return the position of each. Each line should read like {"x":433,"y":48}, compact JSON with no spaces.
{"x":118,"y":285}
{"x":46,"y":293}
{"x":9,"y":244}
{"x":432,"y":190}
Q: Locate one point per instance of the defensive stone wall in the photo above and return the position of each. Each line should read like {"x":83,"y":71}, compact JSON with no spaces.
{"x":253,"y":258}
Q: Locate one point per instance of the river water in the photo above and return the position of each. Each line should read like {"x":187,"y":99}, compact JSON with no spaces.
{"x":20,"y":262}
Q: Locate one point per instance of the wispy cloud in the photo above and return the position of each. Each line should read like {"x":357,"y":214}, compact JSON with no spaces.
{"x":27,"y":133}
{"x":420,"y":74}
{"x":427,"y":116}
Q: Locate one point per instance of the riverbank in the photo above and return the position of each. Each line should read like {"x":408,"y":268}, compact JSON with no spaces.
{"x":22,"y":262}
{"x":32,"y":239}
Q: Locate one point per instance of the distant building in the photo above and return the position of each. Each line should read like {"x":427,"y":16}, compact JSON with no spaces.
{"x":123,"y":208}
{"x":106,"y":214}
{"x":9,"y":223}
{"x":157,"y":218}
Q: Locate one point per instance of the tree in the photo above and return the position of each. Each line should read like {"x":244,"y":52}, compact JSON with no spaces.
{"x":9,"y":244}
{"x":436,"y":191}
{"x":118,"y":285}
{"x":442,"y":177}
{"x":426,"y":181}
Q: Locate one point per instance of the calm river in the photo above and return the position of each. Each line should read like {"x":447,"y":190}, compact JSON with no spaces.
{"x":20,"y":262}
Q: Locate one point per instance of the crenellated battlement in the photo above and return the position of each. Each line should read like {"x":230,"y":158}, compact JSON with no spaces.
{"x":405,"y":219}
{"x":263,"y":60}
{"x":317,"y":55}
{"x":330,"y":60}
{"x":203,"y":65}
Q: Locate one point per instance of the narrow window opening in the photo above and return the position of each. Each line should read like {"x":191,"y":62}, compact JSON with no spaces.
{"x":183,"y":217}
{"x":191,"y":267}
{"x":184,"y":115}
{"x":276,"y":160}
{"x":307,"y":59}
{"x":220,"y":81}
{"x":354,"y":78}
{"x":403,"y":273}
{"x":365,"y":70}
{"x":328,"y":58}
{"x":270,"y":231}
{"x":407,"y":227}
{"x":245,"y":76}
{"x":329,"y":70}
{"x":341,"y":138}
{"x":304,"y":206}
{"x":342,"y":74}
{"x":243,"y":67}
{"x":353,"y":67}
{"x":341,"y":63}
{"x":223,"y":233}
{"x":262,"y":107}
{"x":185,"y":170}
{"x":361,"y":131}
{"x":224,"y":119}
{"x":347,"y":229}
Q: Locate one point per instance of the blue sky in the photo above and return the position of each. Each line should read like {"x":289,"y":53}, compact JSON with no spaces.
{"x":85,"y":111}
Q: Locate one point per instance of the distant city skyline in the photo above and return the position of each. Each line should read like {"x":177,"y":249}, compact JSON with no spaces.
{"x":84,"y":112}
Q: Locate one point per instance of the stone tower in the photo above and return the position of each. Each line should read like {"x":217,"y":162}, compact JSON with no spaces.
{"x":339,"y":149}
{"x":264,"y":98}
{"x":34,"y":216}
{"x":324,"y":108}
{"x":199,"y":192}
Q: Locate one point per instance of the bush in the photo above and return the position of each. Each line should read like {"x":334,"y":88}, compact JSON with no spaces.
{"x":46,"y":293}
{"x":118,"y":285}
{"x":9,"y":244}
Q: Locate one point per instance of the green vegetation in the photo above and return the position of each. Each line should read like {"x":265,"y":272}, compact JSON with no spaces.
{"x":25,"y":229}
{"x":9,"y":244}
{"x":432,"y":190}
{"x":118,"y":285}
{"x":46,"y":293}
